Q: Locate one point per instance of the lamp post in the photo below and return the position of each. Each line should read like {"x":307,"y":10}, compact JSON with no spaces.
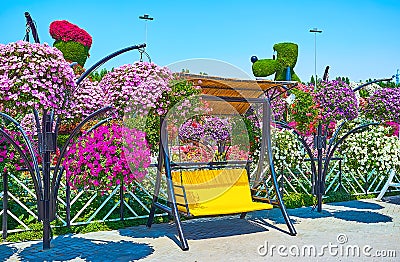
{"x":146,"y":18}
{"x":315,"y":31}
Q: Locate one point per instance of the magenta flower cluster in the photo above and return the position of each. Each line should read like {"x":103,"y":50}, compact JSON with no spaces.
{"x":66,"y":31}
{"x":384,"y":105}
{"x":136,"y":87}
{"x":336,"y":101}
{"x":107,"y":156}
{"x":395,"y":127}
{"x":9,"y":155}
{"x":33,"y":76}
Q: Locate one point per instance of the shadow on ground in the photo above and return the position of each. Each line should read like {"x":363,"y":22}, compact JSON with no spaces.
{"x":260,"y":221}
{"x":69,"y":247}
{"x":359,"y":211}
{"x":358,"y":205}
{"x":367,"y":217}
{"x":202,"y":228}
{"x":392,"y":200}
{"x":199,"y":228}
{"x":6,"y":251}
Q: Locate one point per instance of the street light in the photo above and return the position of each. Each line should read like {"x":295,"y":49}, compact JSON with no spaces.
{"x":315,"y":31}
{"x":146,"y":18}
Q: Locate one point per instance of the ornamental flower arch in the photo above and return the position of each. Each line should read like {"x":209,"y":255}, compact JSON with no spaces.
{"x":334,"y":102}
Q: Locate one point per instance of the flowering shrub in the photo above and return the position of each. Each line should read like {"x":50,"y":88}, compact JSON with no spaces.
{"x":384,"y":105}
{"x":333,"y":101}
{"x":303,"y":112}
{"x":336,"y":101}
{"x":107,"y":156}
{"x":33,"y":76}
{"x":136,"y":87}
{"x":235,"y":153}
{"x":9,"y":157}
{"x":192,"y":153}
{"x":278,"y":106}
{"x":178,"y":101}
{"x":66,"y":31}
{"x":372,"y":150}
{"x":183,"y":94}
{"x":208,"y":128}
{"x":287,"y":150}
{"x":88,"y":98}
{"x":73,"y":41}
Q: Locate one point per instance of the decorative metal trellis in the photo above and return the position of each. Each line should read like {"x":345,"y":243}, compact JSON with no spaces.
{"x":75,"y":207}
{"x":87,"y":207}
{"x":299,"y":180}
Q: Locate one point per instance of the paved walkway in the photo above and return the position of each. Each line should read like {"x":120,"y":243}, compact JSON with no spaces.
{"x":364,"y":230}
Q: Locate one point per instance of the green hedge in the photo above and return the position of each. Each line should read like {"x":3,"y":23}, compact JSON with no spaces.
{"x":73,"y":51}
{"x":264,"y":67}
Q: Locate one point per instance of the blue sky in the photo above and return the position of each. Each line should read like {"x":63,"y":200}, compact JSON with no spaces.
{"x":360,"y":39}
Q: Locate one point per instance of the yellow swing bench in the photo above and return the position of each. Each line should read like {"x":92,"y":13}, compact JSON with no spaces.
{"x":214,"y":192}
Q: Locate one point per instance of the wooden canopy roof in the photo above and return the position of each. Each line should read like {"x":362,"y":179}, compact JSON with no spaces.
{"x":236,"y":88}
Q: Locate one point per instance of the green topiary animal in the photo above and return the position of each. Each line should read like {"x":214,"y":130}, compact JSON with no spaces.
{"x":286,"y":57}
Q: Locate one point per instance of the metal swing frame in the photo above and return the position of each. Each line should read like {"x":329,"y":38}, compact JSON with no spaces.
{"x":164,"y":161}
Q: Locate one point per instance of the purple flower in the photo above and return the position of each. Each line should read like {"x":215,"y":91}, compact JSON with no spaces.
{"x":384,"y":105}
{"x":336,"y":101}
{"x":206,"y":128}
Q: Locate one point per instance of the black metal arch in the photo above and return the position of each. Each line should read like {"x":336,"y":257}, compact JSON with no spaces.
{"x":31,"y":26}
{"x":105,"y":59}
{"x":26,"y":161}
{"x":372,"y":82}
{"x":332,"y":150}
{"x":306,"y":147}
{"x":27,"y":141}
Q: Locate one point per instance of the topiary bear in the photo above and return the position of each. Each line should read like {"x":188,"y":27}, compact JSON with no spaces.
{"x":71,"y":40}
{"x":286,"y":57}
